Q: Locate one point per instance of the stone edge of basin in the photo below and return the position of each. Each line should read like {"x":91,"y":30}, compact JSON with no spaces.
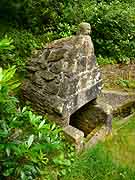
{"x":76,"y":136}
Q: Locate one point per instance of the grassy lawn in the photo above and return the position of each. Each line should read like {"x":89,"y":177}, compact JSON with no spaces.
{"x":113,"y":159}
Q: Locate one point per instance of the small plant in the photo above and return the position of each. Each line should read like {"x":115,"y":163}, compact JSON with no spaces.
{"x":6,"y":47}
{"x":130,"y":84}
{"x":104,"y":61}
{"x":6,"y":43}
{"x":7,"y":85}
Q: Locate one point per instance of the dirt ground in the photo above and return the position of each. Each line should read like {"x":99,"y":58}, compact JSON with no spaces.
{"x":113,"y":74}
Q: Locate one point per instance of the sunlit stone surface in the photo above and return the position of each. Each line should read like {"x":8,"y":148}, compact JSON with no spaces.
{"x":64,"y":77}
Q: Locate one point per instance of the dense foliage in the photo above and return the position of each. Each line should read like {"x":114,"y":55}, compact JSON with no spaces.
{"x":21,"y":45}
{"x":112,"y":21}
{"x":30,"y":146}
{"x":32,"y":14}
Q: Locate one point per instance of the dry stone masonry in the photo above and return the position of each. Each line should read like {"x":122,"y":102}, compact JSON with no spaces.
{"x":64,"y":77}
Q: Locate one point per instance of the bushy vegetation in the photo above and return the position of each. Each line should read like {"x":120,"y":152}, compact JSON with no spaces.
{"x":113,"y":24}
{"x":113,"y":29}
{"x":30,"y":146}
{"x":35,"y":15}
{"x":23,"y":44}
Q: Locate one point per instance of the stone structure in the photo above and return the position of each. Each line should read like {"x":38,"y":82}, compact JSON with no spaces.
{"x":64,"y":81}
{"x":64,"y":77}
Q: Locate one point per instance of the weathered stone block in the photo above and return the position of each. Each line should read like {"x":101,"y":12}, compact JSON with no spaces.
{"x":75,"y":136}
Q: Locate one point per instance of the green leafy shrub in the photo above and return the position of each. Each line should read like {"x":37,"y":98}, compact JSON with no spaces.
{"x":18,"y":45}
{"x":30,"y":146}
{"x":7,"y":84}
{"x":17,"y":48}
{"x":113,"y":26}
{"x":5,"y":48}
{"x":113,"y":30}
{"x":6,"y":44}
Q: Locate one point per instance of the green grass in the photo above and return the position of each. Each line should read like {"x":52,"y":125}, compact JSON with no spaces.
{"x":113,"y":159}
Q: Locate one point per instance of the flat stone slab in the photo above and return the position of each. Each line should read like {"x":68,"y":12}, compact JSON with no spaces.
{"x":118,"y":100}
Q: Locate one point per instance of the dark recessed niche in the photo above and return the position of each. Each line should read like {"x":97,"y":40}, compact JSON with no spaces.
{"x":87,"y":118}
